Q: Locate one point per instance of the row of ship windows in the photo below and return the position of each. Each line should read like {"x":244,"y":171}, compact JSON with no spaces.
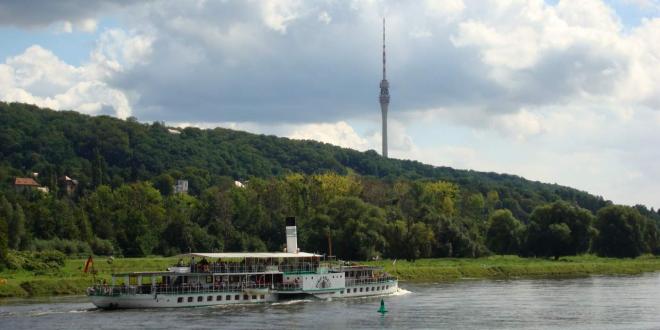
{"x":219,"y":298}
{"x":373,"y":288}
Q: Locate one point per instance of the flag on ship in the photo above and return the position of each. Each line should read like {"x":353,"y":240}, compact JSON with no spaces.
{"x":88,"y":264}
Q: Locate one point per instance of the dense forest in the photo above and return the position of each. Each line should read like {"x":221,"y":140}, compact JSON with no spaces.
{"x":361,"y":204}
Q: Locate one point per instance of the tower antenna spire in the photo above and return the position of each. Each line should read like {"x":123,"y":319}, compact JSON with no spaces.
{"x":384,"y":70}
{"x":384,"y":97}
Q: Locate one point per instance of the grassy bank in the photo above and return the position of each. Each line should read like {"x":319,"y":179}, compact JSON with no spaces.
{"x":515,"y":267}
{"x":71,"y":280}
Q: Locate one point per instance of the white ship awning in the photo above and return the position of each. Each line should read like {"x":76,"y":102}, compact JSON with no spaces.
{"x":256,"y":255}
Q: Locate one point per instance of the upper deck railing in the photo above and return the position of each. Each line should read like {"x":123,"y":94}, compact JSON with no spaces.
{"x":239,"y":268}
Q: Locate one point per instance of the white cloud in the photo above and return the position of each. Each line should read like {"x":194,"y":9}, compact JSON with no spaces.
{"x":339,"y":133}
{"x":445,"y":8}
{"x":522,"y":124}
{"x":121,"y":50}
{"x":325,"y":18}
{"x":88,"y":25}
{"x":277,"y":14}
{"x":39,"y":77}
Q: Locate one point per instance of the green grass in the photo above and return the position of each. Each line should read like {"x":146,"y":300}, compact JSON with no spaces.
{"x":516,"y":267}
{"x":71,"y":280}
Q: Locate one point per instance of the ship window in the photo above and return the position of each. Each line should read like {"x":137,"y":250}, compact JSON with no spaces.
{"x":341,"y":292}
{"x":372,"y":289}
{"x":254,"y":296}
{"x":355,"y":290}
{"x":200,"y":298}
{"x":366,"y":289}
{"x":262,"y":297}
{"x":209,"y":298}
{"x":237,"y":297}
{"x":189,"y":299}
{"x":179,"y":300}
{"x":245,"y":297}
{"x":218,"y":298}
{"x":228,"y":297}
{"x":387,"y":287}
{"x":360,"y":289}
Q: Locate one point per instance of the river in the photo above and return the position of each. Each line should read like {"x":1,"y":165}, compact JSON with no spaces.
{"x":598,"y":302}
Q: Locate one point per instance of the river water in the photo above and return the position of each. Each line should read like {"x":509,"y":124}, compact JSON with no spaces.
{"x":599,"y":302}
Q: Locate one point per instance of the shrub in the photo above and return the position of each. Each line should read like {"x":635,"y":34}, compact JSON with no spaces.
{"x":68,"y":247}
{"x":45,"y":261}
{"x":102,"y":247}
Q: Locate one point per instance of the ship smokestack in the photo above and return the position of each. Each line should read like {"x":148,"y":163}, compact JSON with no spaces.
{"x":291,"y":235}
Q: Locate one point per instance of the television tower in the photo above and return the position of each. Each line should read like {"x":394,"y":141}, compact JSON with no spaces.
{"x":384,"y":97}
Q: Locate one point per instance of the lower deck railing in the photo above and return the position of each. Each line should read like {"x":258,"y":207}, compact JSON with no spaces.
{"x":113,"y":291}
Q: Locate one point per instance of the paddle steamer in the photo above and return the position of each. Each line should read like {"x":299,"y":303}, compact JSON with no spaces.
{"x":205,"y":279}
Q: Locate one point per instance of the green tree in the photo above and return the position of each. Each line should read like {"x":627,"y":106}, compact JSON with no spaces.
{"x":360,"y":228}
{"x":66,"y":224}
{"x":559,"y":229}
{"x":620,"y":232}
{"x":396,"y":236}
{"x":83,"y":225}
{"x":44,"y":215}
{"x":165,"y":184}
{"x":100,"y":208}
{"x":458,"y":237}
{"x":17,"y":234}
{"x":6,"y":209}
{"x":3,"y":242}
{"x":98,"y":168}
{"x":419,"y":240}
{"x":329,"y":186}
{"x":140,"y":218}
{"x":505,"y":233}
{"x":474,"y":206}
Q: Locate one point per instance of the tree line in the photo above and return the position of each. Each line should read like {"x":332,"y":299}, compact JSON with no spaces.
{"x":360,"y":218}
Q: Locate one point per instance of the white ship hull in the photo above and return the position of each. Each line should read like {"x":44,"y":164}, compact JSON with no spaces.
{"x":127,"y":301}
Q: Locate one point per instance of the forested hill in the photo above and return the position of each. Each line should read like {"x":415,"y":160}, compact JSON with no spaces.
{"x":108,"y":150}
{"x":124,"y":201}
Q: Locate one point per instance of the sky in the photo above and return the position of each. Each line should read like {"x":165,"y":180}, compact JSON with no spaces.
{"x":557,"y":91}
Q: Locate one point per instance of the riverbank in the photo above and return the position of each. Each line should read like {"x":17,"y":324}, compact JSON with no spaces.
{"x":71,"y":280}
{"x":502,"y":267}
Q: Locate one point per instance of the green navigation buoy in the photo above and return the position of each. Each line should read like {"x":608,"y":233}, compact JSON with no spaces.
{"x":382,"y":309}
